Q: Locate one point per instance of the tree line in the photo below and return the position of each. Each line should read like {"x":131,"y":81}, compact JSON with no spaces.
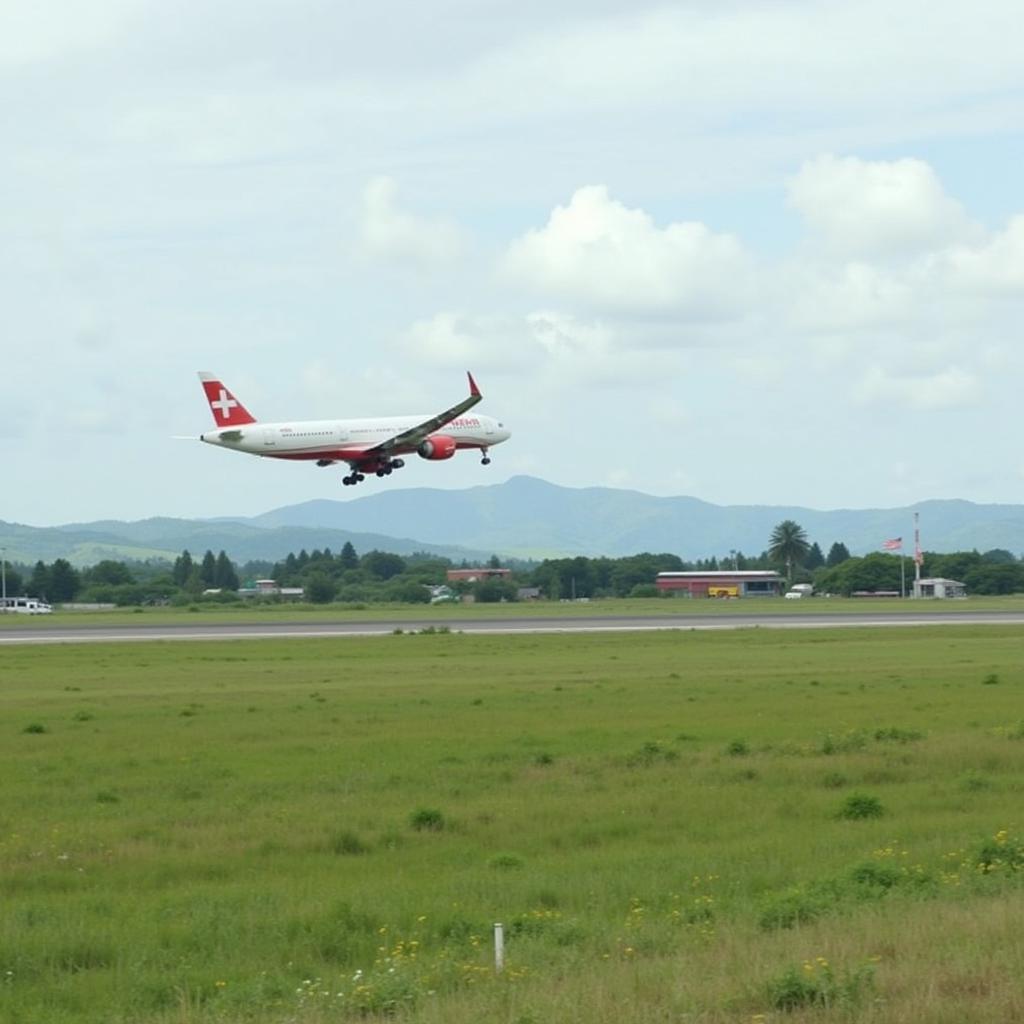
{"x":996,"y":571}
{"x":381,"y":576}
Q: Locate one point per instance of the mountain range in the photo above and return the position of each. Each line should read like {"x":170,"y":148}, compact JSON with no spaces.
{"x":523,"y":517}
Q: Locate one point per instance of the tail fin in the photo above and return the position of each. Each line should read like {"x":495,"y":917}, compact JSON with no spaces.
{"x":227,"y":410}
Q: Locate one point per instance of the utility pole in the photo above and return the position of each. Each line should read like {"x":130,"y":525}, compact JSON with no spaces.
{"x":3,"y":579}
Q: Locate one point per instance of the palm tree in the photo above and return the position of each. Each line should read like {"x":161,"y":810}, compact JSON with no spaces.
{"x":788,"y":544}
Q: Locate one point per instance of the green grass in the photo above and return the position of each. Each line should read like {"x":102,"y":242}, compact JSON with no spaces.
{"x":227,"y":831}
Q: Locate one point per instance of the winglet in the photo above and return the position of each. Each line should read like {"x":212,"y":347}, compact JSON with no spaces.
{"x":473,"y":389}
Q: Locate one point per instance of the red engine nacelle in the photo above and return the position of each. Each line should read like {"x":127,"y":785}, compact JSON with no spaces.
{"x":437,"y":446}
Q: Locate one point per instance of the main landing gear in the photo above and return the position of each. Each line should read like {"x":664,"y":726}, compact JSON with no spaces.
{"x":384,"y":469}
{"x":485,"y":459}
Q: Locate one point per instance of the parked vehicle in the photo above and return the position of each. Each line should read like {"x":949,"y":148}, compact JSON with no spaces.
{"x":25,"y":605}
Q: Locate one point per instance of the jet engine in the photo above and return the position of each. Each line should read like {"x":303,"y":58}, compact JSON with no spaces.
{"x":437,"y":446}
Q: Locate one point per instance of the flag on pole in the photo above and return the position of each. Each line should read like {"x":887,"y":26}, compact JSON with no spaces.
{"x":893,"y":545}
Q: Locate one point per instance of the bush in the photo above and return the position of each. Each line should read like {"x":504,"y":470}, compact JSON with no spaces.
{"x":859,"y":806}
{"x":505,"y":862}
{"x":320,"y":589}
{"x":738,"y":748}
{"x":347,"y":844}
{"x":427,"y":819}
{"x":34,"y":728}
{"x":794,"y":906}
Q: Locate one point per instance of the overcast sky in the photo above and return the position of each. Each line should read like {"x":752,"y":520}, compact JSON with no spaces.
{"x":757,"y":252}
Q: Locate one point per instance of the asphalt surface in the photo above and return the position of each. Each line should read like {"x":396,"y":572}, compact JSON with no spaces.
{"x":61,"y":633}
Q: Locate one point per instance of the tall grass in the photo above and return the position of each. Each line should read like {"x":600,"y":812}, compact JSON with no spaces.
{"x":353,"y":816}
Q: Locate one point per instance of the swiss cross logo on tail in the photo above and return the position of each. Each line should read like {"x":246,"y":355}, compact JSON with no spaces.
{"x":224,"y":404}
{"x":227,"y":410}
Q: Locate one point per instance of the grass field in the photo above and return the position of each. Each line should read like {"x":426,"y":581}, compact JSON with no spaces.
{"x":746,"y":827}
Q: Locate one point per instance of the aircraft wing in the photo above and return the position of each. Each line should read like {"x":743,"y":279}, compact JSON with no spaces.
{"x":412,"y":437}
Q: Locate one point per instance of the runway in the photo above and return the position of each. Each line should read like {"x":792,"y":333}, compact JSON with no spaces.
{"x":60,"y":633}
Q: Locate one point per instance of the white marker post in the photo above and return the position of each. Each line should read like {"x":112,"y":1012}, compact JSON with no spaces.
{"x":499,"y":947}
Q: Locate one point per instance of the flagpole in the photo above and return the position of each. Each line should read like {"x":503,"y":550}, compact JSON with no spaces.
{"x":917,"y":557}
{"x":903,"y":574}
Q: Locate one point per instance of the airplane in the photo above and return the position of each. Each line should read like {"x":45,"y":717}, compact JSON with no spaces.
{"x":366,"y":445}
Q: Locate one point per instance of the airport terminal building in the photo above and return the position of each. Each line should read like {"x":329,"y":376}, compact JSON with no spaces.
{"x":724,"y":583}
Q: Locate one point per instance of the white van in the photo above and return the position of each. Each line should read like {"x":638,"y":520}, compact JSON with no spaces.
{"x":25,"y":605}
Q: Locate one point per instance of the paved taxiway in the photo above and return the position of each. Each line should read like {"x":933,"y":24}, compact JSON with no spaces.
{"x":54,"y":633}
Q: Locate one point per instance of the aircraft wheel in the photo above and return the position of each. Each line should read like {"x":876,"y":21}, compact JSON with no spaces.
{"x":360,"y":477}
{"x":485,"y":461}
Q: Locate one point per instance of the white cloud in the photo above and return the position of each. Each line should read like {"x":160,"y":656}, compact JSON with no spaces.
{"x":996,"y":266}
{"x":464,"y":341}
{"x":391,"y":234}
{"x":600,"y":253}
{"x":548,"y":346}
{"x":877,"y":208}
{"x":851,"y":297}
{"x":950,"y":388}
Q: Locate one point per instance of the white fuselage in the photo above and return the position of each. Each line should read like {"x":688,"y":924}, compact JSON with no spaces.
{"x":347,"y":439}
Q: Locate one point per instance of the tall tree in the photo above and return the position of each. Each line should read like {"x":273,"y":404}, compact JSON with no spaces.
{"x":208,"y":570}
{"x":788,"y":543}
{"x":64,"y":581}
{"x":182,"y":569}
{"x":39,"y":581}
{"x":837,"y":554}
{"x":348,"y":557}
{"x":815,"y":559}
{"x":109,"y":572}
{"x":14,"y":581}
{"x":224,"y":575}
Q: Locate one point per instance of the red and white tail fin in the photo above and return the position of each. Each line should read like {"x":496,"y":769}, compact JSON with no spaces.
{"x":227,"y":410}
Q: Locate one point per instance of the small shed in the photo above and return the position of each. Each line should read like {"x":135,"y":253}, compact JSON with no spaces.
{"x":937,"y":586}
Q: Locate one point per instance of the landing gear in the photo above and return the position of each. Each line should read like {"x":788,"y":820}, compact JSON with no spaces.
{"x":380,"y":469}
{"x":486,"y":459}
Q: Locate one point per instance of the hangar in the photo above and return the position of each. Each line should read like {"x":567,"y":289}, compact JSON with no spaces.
{"x":722,"y":583}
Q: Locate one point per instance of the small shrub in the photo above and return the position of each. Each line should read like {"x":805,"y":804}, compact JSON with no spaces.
{"x":793,"y":906}
{"x":847,"y":743}
{"x":347,"y":844}
{"x":1003,"y":852}
{"x":505,"y":862}
{"x":34,"y":728}
{"x":106,"y":796}
{"x":872,"y":875}
{"x":543,"y":759}
{"x":427,"y":819}
{"x":990,"y":680}
{"x":646,"y":755}
{"x":974,"y":782}
{"x":791,"y":990}
{"x":818,"y":985}
{"x":894,"y":735}
{"x":738,"y":748}
{"x":859,"y":806}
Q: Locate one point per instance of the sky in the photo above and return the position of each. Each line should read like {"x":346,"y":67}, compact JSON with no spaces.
{"x":755,"y":252}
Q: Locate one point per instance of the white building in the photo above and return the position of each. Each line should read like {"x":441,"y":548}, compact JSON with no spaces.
{"x":936,"y":586}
